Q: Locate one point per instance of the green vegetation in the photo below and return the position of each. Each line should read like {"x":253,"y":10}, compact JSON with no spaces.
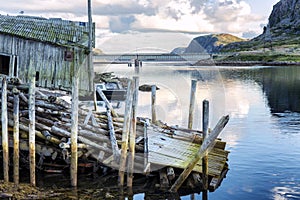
{"x":263,"y":57}
{"x":226,"y":39}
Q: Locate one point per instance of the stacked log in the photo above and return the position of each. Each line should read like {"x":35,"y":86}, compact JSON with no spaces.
{"x":53,"y":125}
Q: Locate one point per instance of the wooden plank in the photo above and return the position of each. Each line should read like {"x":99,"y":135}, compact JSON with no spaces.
{"x":168,"y":151}
{"x":207,"y":145}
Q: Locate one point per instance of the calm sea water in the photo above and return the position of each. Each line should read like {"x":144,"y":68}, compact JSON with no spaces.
{"x":263,"y":134}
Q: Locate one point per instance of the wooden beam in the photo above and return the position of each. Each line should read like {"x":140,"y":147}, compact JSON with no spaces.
{"x":112,"y":136}
{"x":102,"y":95}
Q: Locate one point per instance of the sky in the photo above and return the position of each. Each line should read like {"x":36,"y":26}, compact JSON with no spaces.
{"x":124,"y":26}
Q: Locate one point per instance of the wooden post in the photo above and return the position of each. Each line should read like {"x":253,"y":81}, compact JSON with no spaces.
{"x":5,"y":130}
{"x":192,"y":103}
{"x":31,"y":102}
{"x":133,"y":132}
{"x":153,"y":103}
{"x":90,"y":45}
{"x":206,"y":146}
{"x":16,"y":135}
{"x":205,"y":122}
{"x":125,"y":133}
{"x":74,"y":132}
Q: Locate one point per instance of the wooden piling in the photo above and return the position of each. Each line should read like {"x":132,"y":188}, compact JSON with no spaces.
{"x":16,"y":135}
{"x":206,"y":146}
{"x":125,"y":132}
{"x":5,"y":131}
{"x":74,"y":132}
{"x":31,"y":127}
{"x":153,"y":103}
{"x":133,"y":132}
{"x":192,"y":103}
{"x":205,"y":122}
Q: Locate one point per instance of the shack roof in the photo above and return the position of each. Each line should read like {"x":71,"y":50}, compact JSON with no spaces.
{"x":53,"y":30}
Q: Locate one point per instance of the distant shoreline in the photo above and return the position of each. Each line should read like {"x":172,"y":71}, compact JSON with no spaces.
{"x":246,"y":63}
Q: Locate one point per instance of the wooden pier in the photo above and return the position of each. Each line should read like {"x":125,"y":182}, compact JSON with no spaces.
{"x":123,"y":142}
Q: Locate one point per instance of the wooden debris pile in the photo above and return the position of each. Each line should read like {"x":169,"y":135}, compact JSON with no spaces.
{"x":169,"y":149}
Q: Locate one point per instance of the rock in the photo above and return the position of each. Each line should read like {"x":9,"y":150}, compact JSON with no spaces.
{"x":146,"y":88}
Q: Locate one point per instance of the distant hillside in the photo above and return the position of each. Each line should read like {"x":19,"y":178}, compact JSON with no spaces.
{"x":208,"y":43}
{"x":178,"y":50}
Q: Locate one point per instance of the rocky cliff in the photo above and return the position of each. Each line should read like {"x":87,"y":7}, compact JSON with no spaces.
{"x":285,"y":13}
{"x":284,"y":21}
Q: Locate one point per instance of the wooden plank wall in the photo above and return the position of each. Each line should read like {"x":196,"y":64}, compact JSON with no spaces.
{"x":48,"y":59}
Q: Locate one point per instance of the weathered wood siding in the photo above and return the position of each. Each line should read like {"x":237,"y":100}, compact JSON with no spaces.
{"x":47,"y":59}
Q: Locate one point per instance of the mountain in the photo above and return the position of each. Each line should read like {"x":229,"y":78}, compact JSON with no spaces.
{"x":208,"y":43}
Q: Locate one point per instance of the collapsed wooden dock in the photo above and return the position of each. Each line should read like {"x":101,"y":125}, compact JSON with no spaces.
{"x":159,"y":148}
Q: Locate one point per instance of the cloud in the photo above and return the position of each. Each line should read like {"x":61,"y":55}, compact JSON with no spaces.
{"x":124,"y":16}
{"x":121,"y":24}
{"x":198,"y":16}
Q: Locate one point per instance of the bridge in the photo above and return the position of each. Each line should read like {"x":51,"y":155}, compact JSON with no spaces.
{"x":153,"y":57}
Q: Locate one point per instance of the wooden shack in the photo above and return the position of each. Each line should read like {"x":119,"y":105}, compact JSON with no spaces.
{"x":54,"y":50}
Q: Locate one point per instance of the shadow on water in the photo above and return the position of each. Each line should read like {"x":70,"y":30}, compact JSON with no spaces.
{"x":94,"y":186}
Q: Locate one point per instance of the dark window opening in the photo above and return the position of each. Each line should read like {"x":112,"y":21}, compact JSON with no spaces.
{"x":37,"y":76}
{"x":4,"y":64}
{"x":16,"y":67}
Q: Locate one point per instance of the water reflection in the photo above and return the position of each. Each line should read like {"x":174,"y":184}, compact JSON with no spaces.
{"x":281,"y":85}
